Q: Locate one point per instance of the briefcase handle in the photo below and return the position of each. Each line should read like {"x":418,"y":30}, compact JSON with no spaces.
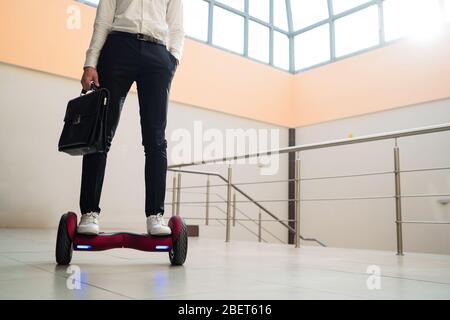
{"x":93,"y":88}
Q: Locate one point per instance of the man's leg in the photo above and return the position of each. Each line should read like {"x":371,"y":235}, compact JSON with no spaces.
{"x":117,"y":70}
{"x":153,"y":82}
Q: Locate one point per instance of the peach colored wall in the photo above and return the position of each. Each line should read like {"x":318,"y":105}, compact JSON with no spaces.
{"x":217,"y":80}
{"x":34,"y":35}
{"x":404,"y":73}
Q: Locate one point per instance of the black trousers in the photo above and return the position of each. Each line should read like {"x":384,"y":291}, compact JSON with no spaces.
{"x":123,"y":60}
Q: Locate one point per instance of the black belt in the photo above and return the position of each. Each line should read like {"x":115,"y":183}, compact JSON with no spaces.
{"x":140,"y":36}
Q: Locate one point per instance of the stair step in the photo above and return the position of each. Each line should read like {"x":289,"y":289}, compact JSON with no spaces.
{"x":192,"y":230}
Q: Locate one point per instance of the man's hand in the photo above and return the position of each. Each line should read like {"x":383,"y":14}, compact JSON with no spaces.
{"x":89,"y":75}
{"x":174,"y":58}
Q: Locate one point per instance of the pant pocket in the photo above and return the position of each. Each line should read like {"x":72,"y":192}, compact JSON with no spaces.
{"x":172,"y":58}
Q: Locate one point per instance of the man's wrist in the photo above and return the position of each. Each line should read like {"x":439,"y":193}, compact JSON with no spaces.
{"x":89,"y":67}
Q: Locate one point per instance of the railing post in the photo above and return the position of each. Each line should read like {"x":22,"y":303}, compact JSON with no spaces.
{"x":207,"y":202}
{"x":178,"y":194}
{"x":297,"y":203}
{"x":234,"y":209}
{"x":227,"y":235}
{"x":259,"y":226}
{"x":398,"y":201}
{"x":174,"y":193}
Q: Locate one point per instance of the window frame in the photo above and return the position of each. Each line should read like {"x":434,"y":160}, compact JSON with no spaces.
{"x":291,"y":33}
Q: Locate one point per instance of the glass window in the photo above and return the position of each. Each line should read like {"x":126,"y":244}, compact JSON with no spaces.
{"x":260,"y":9}
{"x":280,"y":50}
{"x":395,"y":20}
{"x":312,"y":47}
{"x":90,"y":2}
{"x":308,"y":12}
{"x":447,"y":10}
{"x":340,"y":6}
{"x":357,"y":31}
{"x":258,"y":41}
{"x":236,"y":4}
{"x":228,"y":30}
{"x":280,"y":14}
{"x":196,"y":19}
{"x":410,"y":17}
{"x":354,"y":31}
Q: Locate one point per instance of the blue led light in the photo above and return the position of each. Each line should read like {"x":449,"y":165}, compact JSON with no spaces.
{"x":162,"y":247}
{"x":84,"y":246}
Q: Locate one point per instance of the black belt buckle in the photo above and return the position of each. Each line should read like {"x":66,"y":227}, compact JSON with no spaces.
{"x":144,"y":37}
{"x":141,"y":36}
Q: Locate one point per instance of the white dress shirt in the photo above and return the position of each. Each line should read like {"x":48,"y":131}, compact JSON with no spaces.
{"x":162,"y":19}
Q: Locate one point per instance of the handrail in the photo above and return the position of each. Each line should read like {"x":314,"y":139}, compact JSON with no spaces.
{"x":240,"y":223}
{"x":216,"y":174}
{"x":237,"y":220}
{"x":357,"y":175}
{"x":332,"y":143}
{"x":327,"y":144}
{"x":245,"y":215}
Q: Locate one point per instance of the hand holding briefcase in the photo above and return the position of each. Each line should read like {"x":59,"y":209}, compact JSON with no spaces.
{"x":84,"y":130}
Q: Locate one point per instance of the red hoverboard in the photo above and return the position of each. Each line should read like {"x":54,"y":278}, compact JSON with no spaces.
{"x":68,"y":240}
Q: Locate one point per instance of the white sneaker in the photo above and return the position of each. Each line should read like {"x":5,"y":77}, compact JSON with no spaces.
{"x":156,"y":226}
{"x":89,"y":224}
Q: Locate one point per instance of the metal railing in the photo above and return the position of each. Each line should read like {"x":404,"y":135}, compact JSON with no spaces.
{"x":231,"y":202}
{"x":235,"y":220}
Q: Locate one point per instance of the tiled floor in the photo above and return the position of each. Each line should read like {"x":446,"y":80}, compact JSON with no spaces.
{"x":216,"y":270}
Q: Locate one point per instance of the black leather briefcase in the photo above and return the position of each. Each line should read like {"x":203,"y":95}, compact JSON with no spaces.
{"x":84,"y":130}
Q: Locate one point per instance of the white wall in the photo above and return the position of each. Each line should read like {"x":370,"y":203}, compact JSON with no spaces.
{"x":38,"y":184}
{"x":370,"y":223}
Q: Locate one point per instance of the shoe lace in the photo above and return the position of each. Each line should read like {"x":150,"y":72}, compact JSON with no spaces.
{"x":91,"y":217}
{"x":159,"y":219}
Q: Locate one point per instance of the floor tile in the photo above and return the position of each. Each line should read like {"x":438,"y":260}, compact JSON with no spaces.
{"x":215,"y":269}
